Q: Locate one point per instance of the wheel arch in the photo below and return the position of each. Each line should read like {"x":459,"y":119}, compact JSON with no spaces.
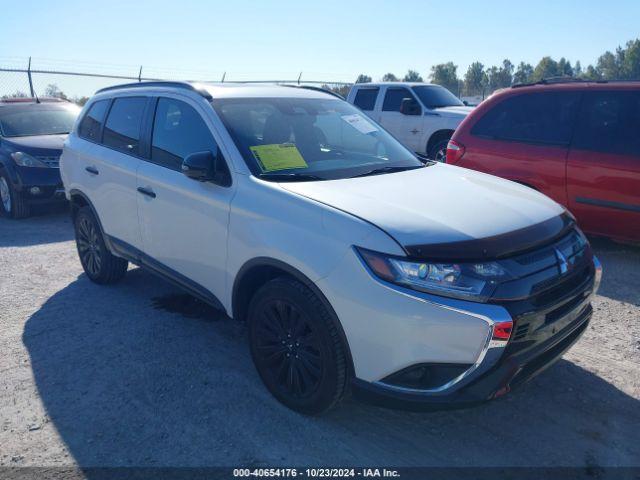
{"x":258,"y":271}
{"x":8,"y":168}
{"x":78,"y":200}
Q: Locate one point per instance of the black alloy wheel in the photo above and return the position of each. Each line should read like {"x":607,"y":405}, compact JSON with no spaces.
{"x":296,"y":347}
{"x":89,"y":247}
{"x":100,"y":265}
{"x":288,"y":344}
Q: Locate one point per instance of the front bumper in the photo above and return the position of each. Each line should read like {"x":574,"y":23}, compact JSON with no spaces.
{"x":391,"y":330}
{"x":509,"y":372}
{"x":47,"y":180}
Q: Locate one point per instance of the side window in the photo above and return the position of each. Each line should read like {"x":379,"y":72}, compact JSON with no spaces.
{"x":122,"y":130}
{"x":91,"y":124}
{"x":609,"y":122}
{"x":393,"y":99}
{"x":366,"y":98}
{"x":545,"y":118}
{"x":178,"y":130}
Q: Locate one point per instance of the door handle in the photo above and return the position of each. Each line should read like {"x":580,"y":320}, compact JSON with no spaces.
{"x":92,"y":170}
{"x":414,"y":131}
{"x":147,"y":191}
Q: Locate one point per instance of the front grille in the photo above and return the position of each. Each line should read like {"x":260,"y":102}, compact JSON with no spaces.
{"x":521,"y":332}
{"x":551,"y":290}
{"x":50,"y":161}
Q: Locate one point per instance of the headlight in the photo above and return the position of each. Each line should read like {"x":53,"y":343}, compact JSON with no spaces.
{"x":466,"y":281}
{"x":25,"y":160}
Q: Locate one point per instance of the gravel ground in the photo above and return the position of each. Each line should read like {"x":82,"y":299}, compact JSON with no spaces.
{"x":106,"y":376}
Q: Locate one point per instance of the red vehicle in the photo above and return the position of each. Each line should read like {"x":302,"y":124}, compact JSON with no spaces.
{"x":577,"y":142}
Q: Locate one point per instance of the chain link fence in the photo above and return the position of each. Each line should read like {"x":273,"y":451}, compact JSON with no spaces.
{"x":49,"y":78}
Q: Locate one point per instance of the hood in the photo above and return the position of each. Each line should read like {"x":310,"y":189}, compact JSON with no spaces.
{"x":454,"y":111}
{"x":440,"y":205}
{"x":40,"y":142}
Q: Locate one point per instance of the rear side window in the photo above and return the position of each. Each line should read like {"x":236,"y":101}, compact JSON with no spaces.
{"x":91,"y":124}
{"x":122,"y":130}
{"x":609,"y":122}
{"x":366,"y":98}
{"x":178,"y":131}
{"x":545,"y":118}
{"x":393,"y":99}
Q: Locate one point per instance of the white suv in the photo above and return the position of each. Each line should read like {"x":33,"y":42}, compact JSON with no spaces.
{"x":423,"y":116}
{"x":356,"y":267}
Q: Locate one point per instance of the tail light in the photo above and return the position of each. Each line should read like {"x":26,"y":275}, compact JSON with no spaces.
{"x":502,"y":330}
{"x":455,"y":152}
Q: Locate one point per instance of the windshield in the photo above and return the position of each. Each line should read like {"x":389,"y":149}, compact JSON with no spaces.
{"x":310,"y":139}
{"x":28,"y":120}
{"x":435,"y":96}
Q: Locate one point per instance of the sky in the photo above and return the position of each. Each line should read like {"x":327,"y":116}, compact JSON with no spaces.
{"x":325,"y":40}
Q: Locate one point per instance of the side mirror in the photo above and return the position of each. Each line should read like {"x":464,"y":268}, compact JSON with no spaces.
{"x":207,"y":167}
{"x":409,"y":106}
{"x":466,"y":104}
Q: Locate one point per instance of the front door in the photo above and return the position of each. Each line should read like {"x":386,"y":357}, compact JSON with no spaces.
{"x":603,"y":169}
{"x":183,"y":221}
{"x":406,"y":128}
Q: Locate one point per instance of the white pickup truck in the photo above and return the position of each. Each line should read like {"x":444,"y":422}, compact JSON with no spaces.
{"x":422,"y":116}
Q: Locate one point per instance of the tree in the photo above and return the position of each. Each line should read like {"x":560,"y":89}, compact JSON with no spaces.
{"x":412,"y":76}
{"x":546,"y":68}
{"x":608,"y":67}
{"x":475,"y":79}
{"x":445,"y":74}
{"x":389,"y":77}
{"x":54,"y":91}
{"x":591,"y":73}
{"x":524,"y":73}
{"x":577,"y":69}
{"x":500,"y":77}
{"x":564,"y":68}
{"x":16,"y":94}
{"x":362,"y":78}
{"x":80,"y":100}
{"x":631,"y":62}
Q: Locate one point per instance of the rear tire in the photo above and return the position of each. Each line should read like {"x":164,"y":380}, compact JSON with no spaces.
{"x":438,"y":152}
{"x":296,"y":347}
{"x":100,"y":265}
{"x":12,"y":203}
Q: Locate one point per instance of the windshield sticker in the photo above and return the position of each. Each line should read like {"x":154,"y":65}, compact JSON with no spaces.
{"x":359,"y":123}
{"x":279,"y":156}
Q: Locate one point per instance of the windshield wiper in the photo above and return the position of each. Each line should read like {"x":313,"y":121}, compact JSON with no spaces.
{"x":290,"y":177}
{"x":378,"y":171}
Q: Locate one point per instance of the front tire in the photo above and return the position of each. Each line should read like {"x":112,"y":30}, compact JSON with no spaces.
{"x":13,"y":204}
{"x":100,"y":265}
{"x":296,"y":347}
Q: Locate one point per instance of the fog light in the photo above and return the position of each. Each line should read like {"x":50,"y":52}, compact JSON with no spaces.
{"x":35,"y":191}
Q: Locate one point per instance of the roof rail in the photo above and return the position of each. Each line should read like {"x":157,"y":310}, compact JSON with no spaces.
{"x":316,"y":89}
{"x":184,"y":85}
{"x":556,"y":80}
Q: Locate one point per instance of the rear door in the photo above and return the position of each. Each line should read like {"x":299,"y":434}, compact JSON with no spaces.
{"x":526,"y":138}
{"x":110,"y":161}
{"x":603,"y":170}
{"x":365,"y":99}
{"x":183,"y":221}
{"x":406,"y":128}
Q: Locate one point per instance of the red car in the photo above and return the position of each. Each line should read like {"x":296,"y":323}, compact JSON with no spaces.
{"x":577,"y":142}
